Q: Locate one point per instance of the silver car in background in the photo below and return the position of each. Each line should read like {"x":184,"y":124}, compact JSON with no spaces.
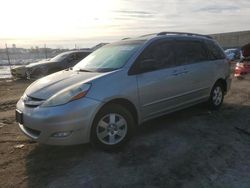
{"x":121,"y":85}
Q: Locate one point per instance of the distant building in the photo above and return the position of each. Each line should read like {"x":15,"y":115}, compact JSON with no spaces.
{"x":233,"y":39}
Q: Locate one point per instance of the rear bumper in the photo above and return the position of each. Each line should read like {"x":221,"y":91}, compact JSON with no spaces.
{"x":75,"y":119}
{"x":241,"y":71}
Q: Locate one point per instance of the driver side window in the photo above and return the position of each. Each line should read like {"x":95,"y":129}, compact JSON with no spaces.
{"x":157,"y":56}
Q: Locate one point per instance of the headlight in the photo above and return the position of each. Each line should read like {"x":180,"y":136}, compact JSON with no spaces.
{"x":74,"y":92}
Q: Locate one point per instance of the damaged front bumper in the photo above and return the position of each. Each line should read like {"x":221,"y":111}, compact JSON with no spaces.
{"x":18,"y":72}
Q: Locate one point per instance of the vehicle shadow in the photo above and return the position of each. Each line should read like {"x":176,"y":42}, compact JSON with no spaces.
{"x":44,"y":164}
{"x":169,"y":121}
{"x":231,"y":114}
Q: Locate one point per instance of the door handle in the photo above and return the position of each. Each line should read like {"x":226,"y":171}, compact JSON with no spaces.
{"x":176,"y":73}
{"x":184,"y":72}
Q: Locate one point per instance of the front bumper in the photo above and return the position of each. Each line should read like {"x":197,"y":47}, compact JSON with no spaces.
{"x":18,"y":72}
{"x":74,"y":118}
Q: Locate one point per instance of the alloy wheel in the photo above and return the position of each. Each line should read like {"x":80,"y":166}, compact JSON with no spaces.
{"x":111,"y":129}
{"x":217,"y":96}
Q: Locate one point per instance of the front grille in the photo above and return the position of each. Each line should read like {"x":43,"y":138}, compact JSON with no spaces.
{"x":32,"y":101}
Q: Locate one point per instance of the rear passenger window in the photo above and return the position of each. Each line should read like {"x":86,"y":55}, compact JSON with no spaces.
{"x":214,"y":51}
{"x":168,"y":56}
{"x":188,"y":52}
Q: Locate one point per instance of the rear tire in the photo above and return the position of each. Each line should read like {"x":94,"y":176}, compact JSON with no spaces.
{"x":216,"y":96}
{"x":112,"y":127}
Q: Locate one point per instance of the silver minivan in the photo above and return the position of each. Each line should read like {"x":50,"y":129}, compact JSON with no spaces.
{"x":108,"y":94}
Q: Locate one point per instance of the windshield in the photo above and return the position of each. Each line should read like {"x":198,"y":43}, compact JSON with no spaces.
{"x":59,"y":57}
{"x":109,"y":57}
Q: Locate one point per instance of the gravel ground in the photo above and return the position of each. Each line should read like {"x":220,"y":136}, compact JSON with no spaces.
{"x":190,"y":148}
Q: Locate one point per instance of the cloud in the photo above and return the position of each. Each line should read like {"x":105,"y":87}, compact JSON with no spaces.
{"x":126,"y":14}
{"x":190,"y":15}
{"x":115,"y":19}
{"x":133,"y":12}
{"x":218,"y":9}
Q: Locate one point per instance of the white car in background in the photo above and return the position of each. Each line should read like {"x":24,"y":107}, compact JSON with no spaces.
{"x":232,"y":54}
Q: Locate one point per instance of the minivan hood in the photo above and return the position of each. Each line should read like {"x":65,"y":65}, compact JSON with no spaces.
{"x":47,"y":86}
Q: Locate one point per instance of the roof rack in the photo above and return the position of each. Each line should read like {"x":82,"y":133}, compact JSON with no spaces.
{"x":182,"y":33}
{"x":148,"y":35}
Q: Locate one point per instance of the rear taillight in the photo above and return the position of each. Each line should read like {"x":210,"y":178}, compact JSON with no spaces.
{"x":237,"y":71}
{"x":240,"y":65}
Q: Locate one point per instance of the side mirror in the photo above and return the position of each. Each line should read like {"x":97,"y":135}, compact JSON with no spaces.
{"x":147,"y":65}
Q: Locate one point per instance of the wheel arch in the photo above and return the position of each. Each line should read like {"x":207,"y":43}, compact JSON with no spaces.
{"x":126,"y":104}
{"x":223,"y":82}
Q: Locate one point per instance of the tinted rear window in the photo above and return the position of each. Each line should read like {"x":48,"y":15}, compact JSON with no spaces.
{"x":214,"y":51}
{"x":188,"y":52}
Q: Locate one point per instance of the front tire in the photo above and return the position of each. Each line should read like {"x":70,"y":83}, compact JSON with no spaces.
{"x":216,"y":96}
{"x":112,"y":127}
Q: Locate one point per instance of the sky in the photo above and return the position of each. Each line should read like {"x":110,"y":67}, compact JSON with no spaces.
{"x":84,"y":23}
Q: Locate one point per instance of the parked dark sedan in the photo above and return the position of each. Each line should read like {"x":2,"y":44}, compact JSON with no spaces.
{"x":60,"y":62}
